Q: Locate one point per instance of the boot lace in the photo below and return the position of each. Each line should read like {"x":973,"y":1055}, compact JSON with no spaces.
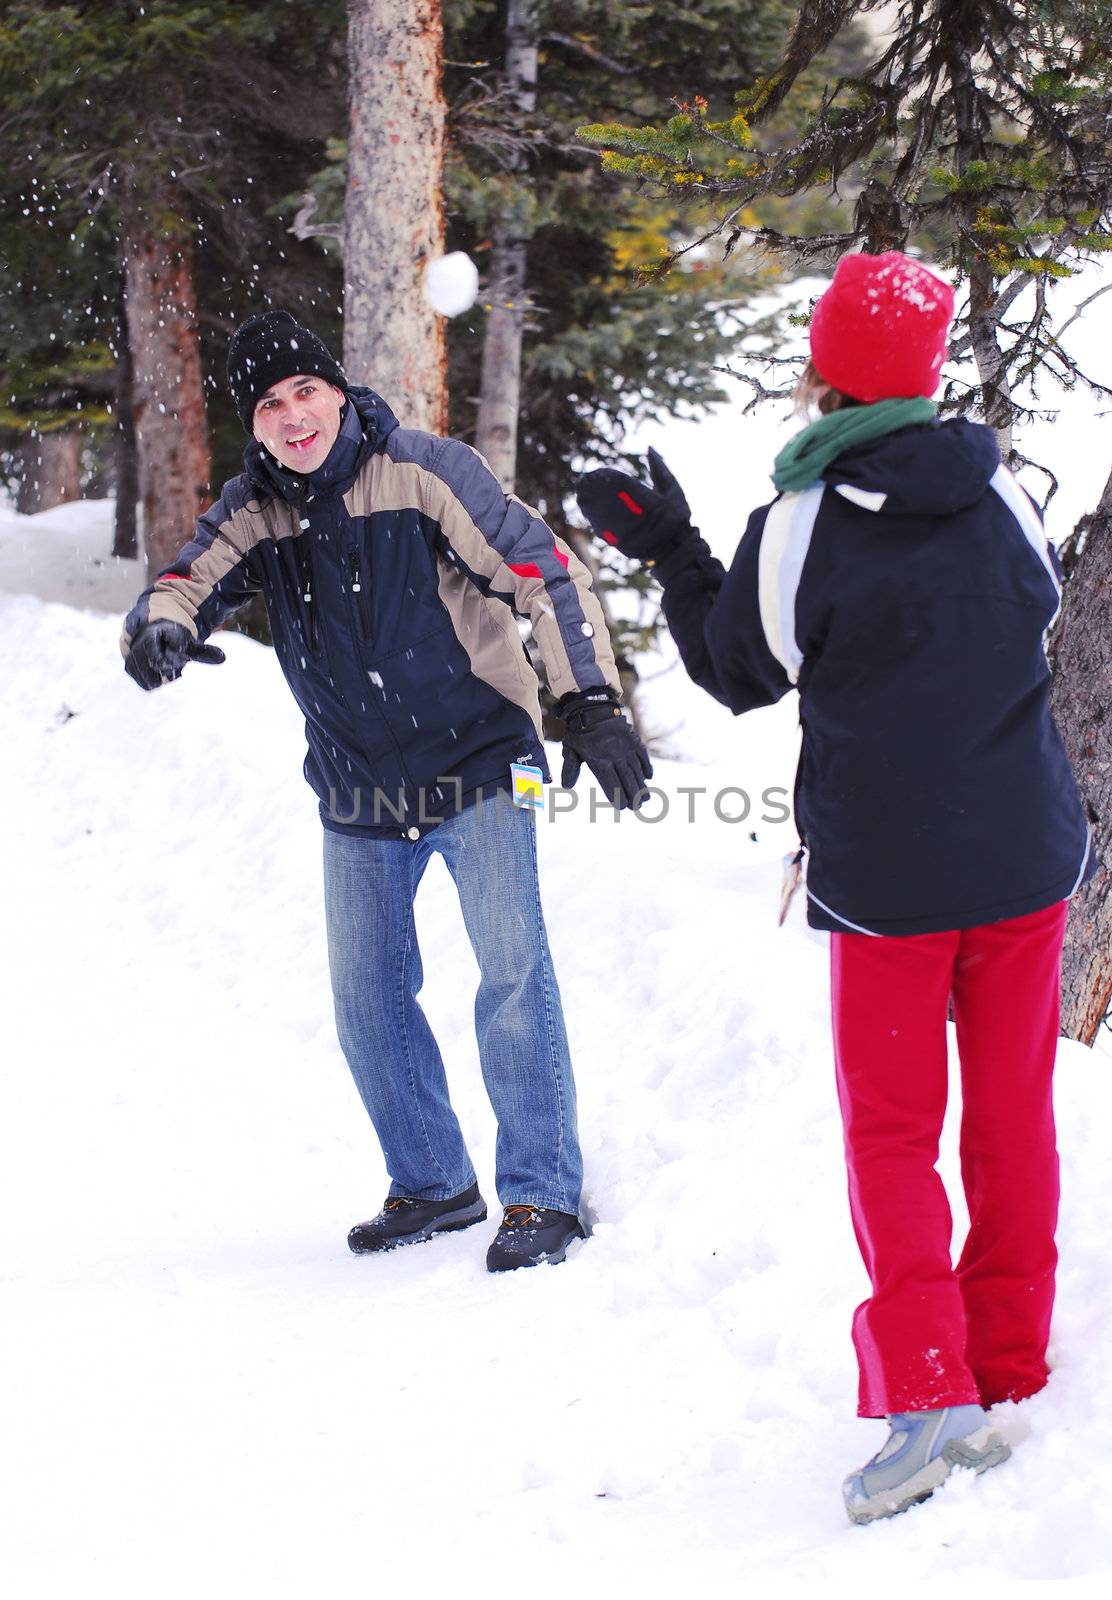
{"x":520,"y":1216}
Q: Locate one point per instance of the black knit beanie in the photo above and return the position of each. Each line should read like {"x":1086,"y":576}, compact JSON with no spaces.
{"x":268,"y":347}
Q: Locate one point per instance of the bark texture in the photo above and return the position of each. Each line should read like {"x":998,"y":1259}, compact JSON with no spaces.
{"x":984,"y":332}
{"x":500,"y":385}
{"x":393,"y":208}
{"x":125,"y":534}
{"x":1081,"y":656}
{"x":168,"y":400}
{"x":49,"y":470}
{"x":996,"y":394}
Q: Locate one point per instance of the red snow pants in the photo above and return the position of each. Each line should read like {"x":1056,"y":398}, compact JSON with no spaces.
{"x":931,"y":1334}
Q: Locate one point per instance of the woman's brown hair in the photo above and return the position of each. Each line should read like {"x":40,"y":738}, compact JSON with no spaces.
{"x":813,"y":393}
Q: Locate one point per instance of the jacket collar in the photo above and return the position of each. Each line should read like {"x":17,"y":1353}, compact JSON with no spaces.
{"x":338,"y":469}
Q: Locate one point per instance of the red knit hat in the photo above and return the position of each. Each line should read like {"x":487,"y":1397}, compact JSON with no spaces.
{"x":880,"y":330}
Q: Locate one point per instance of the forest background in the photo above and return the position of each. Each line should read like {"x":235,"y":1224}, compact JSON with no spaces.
{"x":631,"y":182}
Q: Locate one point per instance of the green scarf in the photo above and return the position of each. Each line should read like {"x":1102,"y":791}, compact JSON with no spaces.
{"x":802,"y":460}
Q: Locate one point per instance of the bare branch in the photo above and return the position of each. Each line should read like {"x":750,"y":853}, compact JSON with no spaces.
{"x":585,"y":49}
{"x":302,"y":228}
{"x":760,"y":392}
{"x":1072,"y":318}
{"x":1019,"y":460}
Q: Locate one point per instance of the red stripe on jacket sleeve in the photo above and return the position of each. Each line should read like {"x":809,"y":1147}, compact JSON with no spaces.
{"x":529,"y":569}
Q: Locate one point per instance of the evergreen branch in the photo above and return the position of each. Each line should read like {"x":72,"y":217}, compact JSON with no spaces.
{"x":1028,"y":337}
{"x":905,"y":48}
{"x":927,"y":116}
{"x":1072,"y":373}
{"x":816,"y":24}
{"x":813,"y":247}
{"x":1054,"y":251}
{"x":961,"y":347}
{"x":806,"y":248}
{"x":1056,"y":133}
{"x":485,"y":116}
{"x":1037,"y":348}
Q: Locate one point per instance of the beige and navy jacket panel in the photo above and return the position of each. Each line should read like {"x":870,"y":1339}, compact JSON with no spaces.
{"x":491,"y":542}
{"x":394,"y":594}
{"x":498,"y":546}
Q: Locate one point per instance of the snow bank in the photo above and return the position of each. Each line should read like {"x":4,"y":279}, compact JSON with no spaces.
{"x":65,"y":555}
{"x":205,"y":1385}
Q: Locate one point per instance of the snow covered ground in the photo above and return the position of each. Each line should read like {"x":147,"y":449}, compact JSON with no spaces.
{"x":204,"y":1386}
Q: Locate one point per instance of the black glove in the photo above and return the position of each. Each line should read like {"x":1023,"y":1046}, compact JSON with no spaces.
{"x":644,"y":523}
{"x":160,"y":650}
{"x":598,"y":734}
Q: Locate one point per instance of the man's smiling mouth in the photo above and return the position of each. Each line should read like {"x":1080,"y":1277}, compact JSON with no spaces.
{"x":302,"y":441}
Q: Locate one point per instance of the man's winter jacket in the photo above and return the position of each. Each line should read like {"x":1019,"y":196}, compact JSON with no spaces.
{"x":906,"y":596}
{"x":393,"y":577}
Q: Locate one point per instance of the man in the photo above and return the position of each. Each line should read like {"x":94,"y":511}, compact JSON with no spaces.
{"x":393,"y":567}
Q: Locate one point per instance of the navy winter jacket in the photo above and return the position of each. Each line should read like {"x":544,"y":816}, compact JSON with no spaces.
{"x":393,"y":578}
{"x":907,"y":597}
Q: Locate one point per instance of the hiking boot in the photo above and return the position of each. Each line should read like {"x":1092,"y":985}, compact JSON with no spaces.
{"x":921,"y":1451}
{"x":405,"y":1221}
{"x":529,"y":1236}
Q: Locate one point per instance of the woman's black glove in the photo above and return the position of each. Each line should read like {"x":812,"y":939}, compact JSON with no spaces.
{"x":598,"y":734}
{"x":160,"y":650}
{"x":645,"y":522}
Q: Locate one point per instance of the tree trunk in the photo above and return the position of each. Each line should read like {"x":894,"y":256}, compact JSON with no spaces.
{"x":168,"y":400}
{"x":972,"y":128}
{"x":500,"y":387}
{"x":394,"y":208}
{"x":49,"y":470}
{"x":1081,"y":698}
{"x":996,"y":394}
{"x":125,"y":537}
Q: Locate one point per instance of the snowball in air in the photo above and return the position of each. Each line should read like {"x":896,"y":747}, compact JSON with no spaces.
{"x":452,"y":283}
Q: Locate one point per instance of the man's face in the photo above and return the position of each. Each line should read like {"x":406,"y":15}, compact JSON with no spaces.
{"x":297,"y":420}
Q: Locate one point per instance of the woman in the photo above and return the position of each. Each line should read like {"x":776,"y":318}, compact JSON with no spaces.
{"x":903,"y":584}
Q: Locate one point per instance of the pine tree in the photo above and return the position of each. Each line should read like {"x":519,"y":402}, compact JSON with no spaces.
{"x":500,"y":379}
{"x":980,"y":128}
{"x":150,"y":118}
{"x":55,"y":357}
{"x":560,"y":241}
{"x":980,"y":131}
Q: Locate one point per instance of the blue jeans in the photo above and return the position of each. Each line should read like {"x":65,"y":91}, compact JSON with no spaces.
{"x":369,"y":887}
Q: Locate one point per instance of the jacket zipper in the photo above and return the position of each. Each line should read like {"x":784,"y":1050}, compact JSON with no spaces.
{"x":360,"y":595}
{"x":310,"y":609}
{"x":364,"y":629}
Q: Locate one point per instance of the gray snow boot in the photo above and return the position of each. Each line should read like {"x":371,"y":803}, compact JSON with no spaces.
{"x":921,"y":1451}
